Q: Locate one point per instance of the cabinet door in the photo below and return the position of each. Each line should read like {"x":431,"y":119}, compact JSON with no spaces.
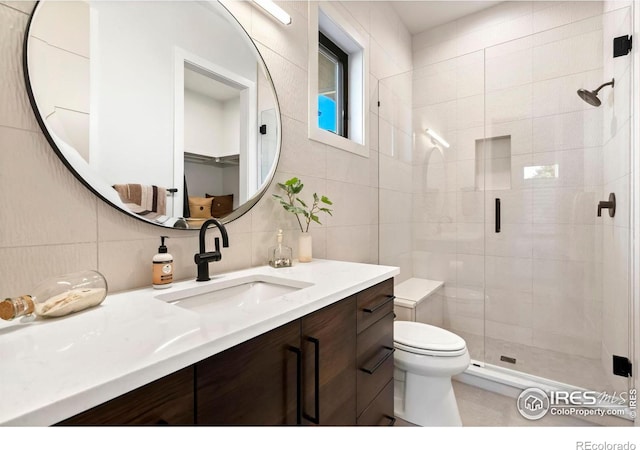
{"x":253,"y":383}
{"x":167,"y":401}
{"x":329,"y":370}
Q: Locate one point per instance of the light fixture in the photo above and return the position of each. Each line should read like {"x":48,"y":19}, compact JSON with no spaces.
{"x":437,"y":138}
{"x":273,"y":9}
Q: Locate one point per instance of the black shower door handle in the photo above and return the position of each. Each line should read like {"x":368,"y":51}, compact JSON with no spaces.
{"x":497,"y":215}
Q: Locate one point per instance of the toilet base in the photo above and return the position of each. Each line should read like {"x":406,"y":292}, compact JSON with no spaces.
{"x":425,"y":400}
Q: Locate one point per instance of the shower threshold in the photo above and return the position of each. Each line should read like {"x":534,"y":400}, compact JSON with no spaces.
{"x":511,"y":383}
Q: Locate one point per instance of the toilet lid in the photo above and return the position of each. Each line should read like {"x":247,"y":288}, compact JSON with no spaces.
{"x":426,"y":339}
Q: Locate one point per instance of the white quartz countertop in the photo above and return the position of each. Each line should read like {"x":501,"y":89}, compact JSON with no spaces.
{"x":53,"y":369}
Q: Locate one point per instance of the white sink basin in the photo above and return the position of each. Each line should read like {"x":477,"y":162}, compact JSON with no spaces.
{"x":246,"y":294}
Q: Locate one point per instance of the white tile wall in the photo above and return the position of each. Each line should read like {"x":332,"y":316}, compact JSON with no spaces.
{"x":432,"y":177}
{"x":574,"y":130}
{"x":509,"y":65}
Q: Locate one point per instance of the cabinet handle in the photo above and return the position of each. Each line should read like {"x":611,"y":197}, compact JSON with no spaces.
{"x":380,"y":305}
{"x":298,"y":353}
{"x":316,"y":419}
{"x":388,"y":351}
{"x":392,"y":420}
{"x":498,"y":219}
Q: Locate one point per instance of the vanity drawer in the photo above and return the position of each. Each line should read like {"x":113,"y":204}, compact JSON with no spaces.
{"x":374,"y":360}
{"x":380,"y":411}
{"x":167,"y":401}
{"x":374,"y":303}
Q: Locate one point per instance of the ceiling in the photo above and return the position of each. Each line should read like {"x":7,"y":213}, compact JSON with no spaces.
{"x":209,"y":86}
{"x":421,"y":15}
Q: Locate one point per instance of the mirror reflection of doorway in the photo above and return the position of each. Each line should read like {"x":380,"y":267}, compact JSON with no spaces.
{"x":216,"y":134}
{"x":212,"y":135}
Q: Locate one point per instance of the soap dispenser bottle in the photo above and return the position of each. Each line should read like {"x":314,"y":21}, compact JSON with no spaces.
{"x":280,"y":255}
{"x":162,"y":267}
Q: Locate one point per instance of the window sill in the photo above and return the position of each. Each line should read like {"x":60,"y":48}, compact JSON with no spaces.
{"x":335,"y":140}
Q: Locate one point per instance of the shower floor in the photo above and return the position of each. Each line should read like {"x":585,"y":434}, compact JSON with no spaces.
{"x":575,"y":370}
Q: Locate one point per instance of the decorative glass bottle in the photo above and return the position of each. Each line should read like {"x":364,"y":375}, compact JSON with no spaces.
{"x":280,"y":255}
{"x":58,"y":296}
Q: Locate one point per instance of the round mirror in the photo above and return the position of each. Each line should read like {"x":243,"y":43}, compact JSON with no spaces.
{"x":164,"y":109}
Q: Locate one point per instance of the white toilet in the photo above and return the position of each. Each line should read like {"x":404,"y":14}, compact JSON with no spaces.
{"x":426,"y":357}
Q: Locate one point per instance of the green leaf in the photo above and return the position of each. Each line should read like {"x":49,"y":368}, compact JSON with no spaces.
{"x":302,"y":203}
{"x":304,"y":212}
{"x":315,"y":197}
{"x":326,"y":200}
{"x":326,"y":210}
{"x":292,"y":181}
{"x":277,"y":196}
{"x":297,"y":188}
{"x":315,"y":219}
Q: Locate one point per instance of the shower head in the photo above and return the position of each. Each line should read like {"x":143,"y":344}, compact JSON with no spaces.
{"x":591,"y":97}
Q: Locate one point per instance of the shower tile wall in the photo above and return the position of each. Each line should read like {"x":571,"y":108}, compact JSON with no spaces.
{"x":448,"y":212}
{"x":513,"y":70}
{"x":395,"y":153}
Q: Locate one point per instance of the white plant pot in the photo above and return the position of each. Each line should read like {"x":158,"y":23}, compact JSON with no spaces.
{"x":305,"y":247}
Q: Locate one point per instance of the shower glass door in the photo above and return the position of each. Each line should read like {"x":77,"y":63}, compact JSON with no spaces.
{"x":431,"y":209}
{"x":542,"y":287}
{"x":556,"y":279}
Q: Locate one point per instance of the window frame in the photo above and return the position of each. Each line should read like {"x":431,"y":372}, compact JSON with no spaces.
{"x":342,"y":82}
{"x":339,"y":26}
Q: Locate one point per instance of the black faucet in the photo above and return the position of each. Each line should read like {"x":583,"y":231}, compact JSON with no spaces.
{"x":203,"y":258}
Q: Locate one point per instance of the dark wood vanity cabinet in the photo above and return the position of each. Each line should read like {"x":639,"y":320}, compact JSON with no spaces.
{"x":253,"y":383}
{"x":346,"y":374}
{"x":331,"y":367}
{"x":259,"y":382}
{"x":329,"y":372}
{"x":375,"y":355}
{"x":167,"y":401}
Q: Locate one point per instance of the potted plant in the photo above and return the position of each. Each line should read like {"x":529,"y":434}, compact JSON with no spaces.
{"x":295,"y":205}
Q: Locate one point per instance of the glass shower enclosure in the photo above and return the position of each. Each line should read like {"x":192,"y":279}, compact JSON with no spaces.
{"x":504,"y":207}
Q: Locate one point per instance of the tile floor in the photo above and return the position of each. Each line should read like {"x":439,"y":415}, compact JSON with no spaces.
{"x":575,"y":370}
{"x":482,"y":408}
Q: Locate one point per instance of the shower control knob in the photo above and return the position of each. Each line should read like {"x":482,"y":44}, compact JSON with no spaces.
{"x":610,"y":205}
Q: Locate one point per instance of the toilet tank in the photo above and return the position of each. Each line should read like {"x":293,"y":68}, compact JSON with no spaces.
{"x":420,"y":300}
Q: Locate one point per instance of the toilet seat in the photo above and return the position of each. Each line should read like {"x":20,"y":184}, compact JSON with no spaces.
{"x":423,"y":339}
